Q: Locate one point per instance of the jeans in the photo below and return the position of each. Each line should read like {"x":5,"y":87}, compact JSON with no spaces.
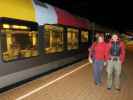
{"x":97,"y":70}
{"x":113,"y":66}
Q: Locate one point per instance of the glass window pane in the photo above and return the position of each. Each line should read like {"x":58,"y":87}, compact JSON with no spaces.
{"x":54,"y":41}
{"x":72,"y":38}
{"x":18,"y":44}
{"x":84,"y":36}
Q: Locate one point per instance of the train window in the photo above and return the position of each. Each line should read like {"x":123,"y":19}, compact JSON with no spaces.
{"x":54,"y":40}
{"x":72,"y":38}
{"x":18,"y":44}
{"x":84,"y":36}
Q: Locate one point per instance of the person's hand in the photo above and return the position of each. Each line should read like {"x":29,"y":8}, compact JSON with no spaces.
{"x":105,"y":63}
{"x":90,"y":60}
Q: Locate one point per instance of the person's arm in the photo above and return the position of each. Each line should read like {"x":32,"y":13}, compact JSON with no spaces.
{"x":107,"y":51}
{"x":91,"y":49}
{"x":122,"y":52}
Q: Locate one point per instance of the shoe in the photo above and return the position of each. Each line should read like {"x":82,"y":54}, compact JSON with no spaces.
{"x":98,"y":84}
{"x":118,"y":89}
{"x":108,"y":88}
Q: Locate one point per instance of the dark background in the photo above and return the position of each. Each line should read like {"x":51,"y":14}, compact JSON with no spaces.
{"x":113,"y":14}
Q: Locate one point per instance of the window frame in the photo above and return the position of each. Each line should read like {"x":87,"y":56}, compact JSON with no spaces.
{"x":81,"y":36}
{"x":78,"y":37}
{"x":44,"y":43}
{"x":2,"y":34}
{"x":33,"y":27}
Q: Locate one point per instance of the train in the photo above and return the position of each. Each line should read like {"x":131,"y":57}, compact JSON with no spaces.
{"x":36,"y":38}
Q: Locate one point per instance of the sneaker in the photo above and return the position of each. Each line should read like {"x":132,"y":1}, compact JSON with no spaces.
{"x":118,"y":89}
{"x":98,"y":84}
{"x":108,"y":88}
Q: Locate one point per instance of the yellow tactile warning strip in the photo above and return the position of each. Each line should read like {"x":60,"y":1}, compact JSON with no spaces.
{"x":79,"y":85}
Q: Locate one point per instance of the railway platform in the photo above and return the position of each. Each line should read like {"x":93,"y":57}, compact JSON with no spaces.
{"x":74,"y":83}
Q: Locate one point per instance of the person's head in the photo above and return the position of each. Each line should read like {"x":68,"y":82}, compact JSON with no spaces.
{"x":100,"y":38}
{"x":115,"y":38}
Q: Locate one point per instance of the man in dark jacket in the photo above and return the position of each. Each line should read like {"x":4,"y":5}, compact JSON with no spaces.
{"x":116,"y":57}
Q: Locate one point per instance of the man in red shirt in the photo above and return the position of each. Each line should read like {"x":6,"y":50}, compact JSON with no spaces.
{"x":116,"y":57}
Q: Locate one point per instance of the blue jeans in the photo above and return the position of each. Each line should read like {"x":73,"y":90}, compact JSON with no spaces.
{"x":97,"y":70}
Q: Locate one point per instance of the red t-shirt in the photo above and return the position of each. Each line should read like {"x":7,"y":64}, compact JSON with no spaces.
{"x":99,"y":51}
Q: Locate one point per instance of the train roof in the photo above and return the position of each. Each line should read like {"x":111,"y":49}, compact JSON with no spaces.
{"x":43,"y":13}
{"x":32,"y":10}
{"x":66,"y":18}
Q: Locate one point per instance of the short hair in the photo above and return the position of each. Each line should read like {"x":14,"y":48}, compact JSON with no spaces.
{"x":118,"y":34}
{"x":99,"y":35}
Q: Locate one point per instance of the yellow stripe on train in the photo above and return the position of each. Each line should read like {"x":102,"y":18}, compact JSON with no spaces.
{"x":19,"y":9}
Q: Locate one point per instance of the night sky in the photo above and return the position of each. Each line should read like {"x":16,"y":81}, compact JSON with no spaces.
{"x":116,"y":15}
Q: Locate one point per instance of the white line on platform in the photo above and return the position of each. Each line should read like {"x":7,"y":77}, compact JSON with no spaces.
{"x":46,"y":85}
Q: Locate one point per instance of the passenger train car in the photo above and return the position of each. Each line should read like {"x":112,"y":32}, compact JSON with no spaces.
{"x":37,"y":37}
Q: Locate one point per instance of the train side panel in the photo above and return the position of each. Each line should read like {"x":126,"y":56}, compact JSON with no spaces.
{"x":18,"y":70}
